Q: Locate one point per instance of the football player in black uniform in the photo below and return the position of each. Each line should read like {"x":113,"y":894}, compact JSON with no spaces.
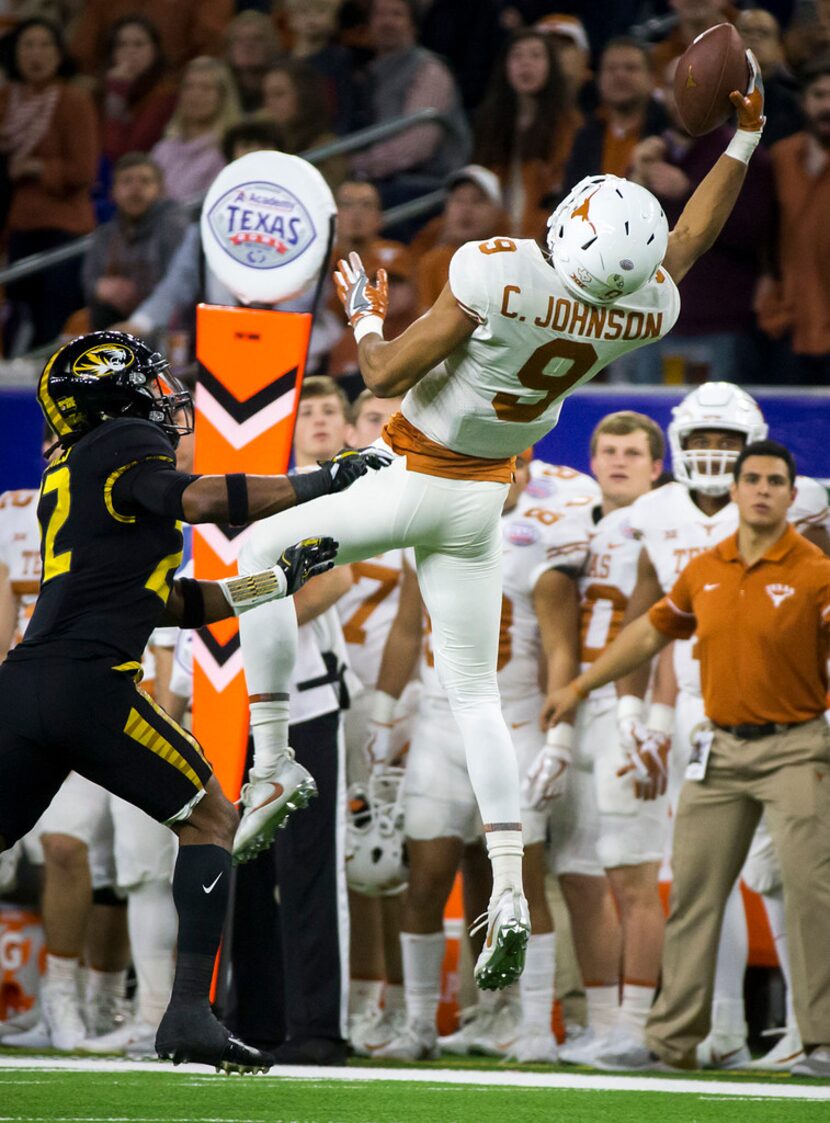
{"x":110,"y":510}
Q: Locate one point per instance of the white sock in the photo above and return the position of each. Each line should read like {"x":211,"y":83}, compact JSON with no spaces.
{"x":603,"y":1008}
{"x":63,"y":970}
{"x":105,"y":982}
{"x":423,"y":957}
{"x":393,"y":997}
{"x":364,"y":996}
{"x":269,"y":726}
{"x":733,"y":948}
{"x":774,"y":905}
{"x":505,"y":850}
{"x":536,"y":984}
{"x":634,"y":1009}
{"x":153,"y":926}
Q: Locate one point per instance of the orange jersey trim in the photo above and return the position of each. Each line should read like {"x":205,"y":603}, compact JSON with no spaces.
{"x":431,"y":459}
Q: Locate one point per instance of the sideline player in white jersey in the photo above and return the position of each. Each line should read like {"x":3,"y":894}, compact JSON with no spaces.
{"x":441,"y":818}
{"x":598,"y":826}
{"x":367,"y":611}
{"x":485,"y":372}
{"x":674,"y":524}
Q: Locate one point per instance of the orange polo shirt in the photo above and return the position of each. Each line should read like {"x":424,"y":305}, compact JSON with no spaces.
{"x":763,"y":631}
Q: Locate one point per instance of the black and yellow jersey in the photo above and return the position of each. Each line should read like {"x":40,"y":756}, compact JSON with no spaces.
{"x":108,"y":560}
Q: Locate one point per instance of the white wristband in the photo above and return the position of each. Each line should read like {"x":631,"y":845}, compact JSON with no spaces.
{"x":368,"y":325}
{"x":661,"y":719}
{"x":630,"y":706}
{"x":383,"y":708}
{"x":561,"y":737}
{"x":743,"y":144}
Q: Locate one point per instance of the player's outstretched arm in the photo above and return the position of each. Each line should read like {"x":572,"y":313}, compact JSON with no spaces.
{"x":194,"y":603}
{"x":240,"y":499}
{"x":635,"y":645}
{"x":704,"y":215}
{"x":391,"y":367}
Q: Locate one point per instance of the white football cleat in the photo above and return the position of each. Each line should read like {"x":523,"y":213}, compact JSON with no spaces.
{"x":416,"y":1042}
{"x":724,"y":1051}
{"x":817,"y":1064}
{"x":581,"y":1046}
{"x":133,"y":1038}
{"x":35,"y":1037}
{"x":22,"y":1021}
{"x":106,"y":1012}
{"x":380,"y":1029}
{"x":616,"y":1047}
{"x":637,"y":1058}
{"x":502,"y":958}
{"x":62,"y":1014}
{"x":267,"y":800}
{"x":534,"y":1046}
{"x":786,"y":1052}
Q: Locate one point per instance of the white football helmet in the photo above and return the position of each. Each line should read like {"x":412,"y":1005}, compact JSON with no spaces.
{"x":713,"y":405}
{"x":376,"y":862}
{"x":607,"y":238}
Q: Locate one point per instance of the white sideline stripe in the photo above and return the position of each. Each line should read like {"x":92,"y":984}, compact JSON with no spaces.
{"x":599,"y":1082}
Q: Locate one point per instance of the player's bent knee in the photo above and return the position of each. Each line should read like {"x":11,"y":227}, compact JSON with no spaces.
{"x":65,"y":852}
{"x":213,"y":820}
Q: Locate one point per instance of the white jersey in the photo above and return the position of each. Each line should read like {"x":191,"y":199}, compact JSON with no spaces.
{"x":20,"y":552}
{"x":673,"y":530}
{"x":554,"y":484}
{"x":367,"y":610}
{"x":605,"y":587}
{"x":502,"y":389}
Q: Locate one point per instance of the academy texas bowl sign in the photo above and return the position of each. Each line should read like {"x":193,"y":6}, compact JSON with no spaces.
{"x":265,"y":226}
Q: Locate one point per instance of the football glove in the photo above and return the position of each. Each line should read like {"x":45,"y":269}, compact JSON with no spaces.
{"x":650,"y":759}
{"x":381,"y":726}
{"x":547,"y":776}
{"x":296,"y":565}
{"x":339,"y":473}
{"x":630,"y":727}
{"x":365,"y":304}
{"x":750,"y":106}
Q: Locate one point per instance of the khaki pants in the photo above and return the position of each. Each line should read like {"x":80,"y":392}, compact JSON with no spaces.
{"x":787,"y":778}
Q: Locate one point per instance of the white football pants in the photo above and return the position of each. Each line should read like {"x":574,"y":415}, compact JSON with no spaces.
{"x":454,"y":526}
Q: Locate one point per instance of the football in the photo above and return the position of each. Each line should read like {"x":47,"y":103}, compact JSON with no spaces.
{"x":711,"y":67}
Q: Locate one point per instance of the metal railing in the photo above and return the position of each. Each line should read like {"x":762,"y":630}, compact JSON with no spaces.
{"x":362,"y":138}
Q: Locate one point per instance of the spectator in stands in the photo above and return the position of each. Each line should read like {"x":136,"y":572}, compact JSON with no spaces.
{"x":190,"y":155}
{"x":525,"y":129}
{"x":293,"y":96}
{"x":808,"y":35}
{"x":48,"y":140}
{"x":794,"y":305}
{"x":312,"y":26}
{"x":187,"y":28}
{"x":714,"y":337}
{"x":129,"y":254}
{"x":138,"y":94}
{"x":627,"y":112}
{"x":250,"y":48}
{"x":762,"y":34}
{"x":574,"y":53}
{"x":469,"y":35}
{"x":404,"y":78}
{"x":403,"y":309}
{"x":359,"y":222}
{"x":693,"y":18}
{"x":473,"y":212}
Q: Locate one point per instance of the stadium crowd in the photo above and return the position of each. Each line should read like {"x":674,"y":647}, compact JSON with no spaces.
{"x":110,"y":123}
{"x":532,"y":100}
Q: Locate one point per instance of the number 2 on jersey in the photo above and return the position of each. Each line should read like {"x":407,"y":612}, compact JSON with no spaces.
{"x":535,"y":375}
{"x":56,"y":564}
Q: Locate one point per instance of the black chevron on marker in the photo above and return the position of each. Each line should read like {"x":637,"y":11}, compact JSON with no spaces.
{"x":221,"y":652}
{"x":243,"y":411}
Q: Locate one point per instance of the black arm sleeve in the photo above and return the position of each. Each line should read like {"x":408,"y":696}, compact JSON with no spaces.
{"x":153,"y":486}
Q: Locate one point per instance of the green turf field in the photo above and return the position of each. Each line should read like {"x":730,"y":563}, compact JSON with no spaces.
{"x":33,"y":1091}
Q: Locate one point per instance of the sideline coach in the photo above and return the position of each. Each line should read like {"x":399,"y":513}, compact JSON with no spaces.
{"x":759,"y":603}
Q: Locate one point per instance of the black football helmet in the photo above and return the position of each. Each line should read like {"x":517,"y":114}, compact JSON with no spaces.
{"x":109,"y":374}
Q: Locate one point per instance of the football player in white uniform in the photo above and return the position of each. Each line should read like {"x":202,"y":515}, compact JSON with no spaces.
{"x":599,"y":826}
{"x":674,"y":524}
{"x":485,"y":372}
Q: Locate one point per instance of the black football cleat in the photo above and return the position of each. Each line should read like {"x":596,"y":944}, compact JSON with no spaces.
{"x":193,"y":1035}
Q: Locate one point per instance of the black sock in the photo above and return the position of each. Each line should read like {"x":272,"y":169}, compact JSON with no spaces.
{"x":201,"y":884}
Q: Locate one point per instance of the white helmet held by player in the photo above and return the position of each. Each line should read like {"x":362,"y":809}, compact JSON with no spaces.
{"x":607,"y":238}
{"x":375,"y":857}
{"x":714,"y":405}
